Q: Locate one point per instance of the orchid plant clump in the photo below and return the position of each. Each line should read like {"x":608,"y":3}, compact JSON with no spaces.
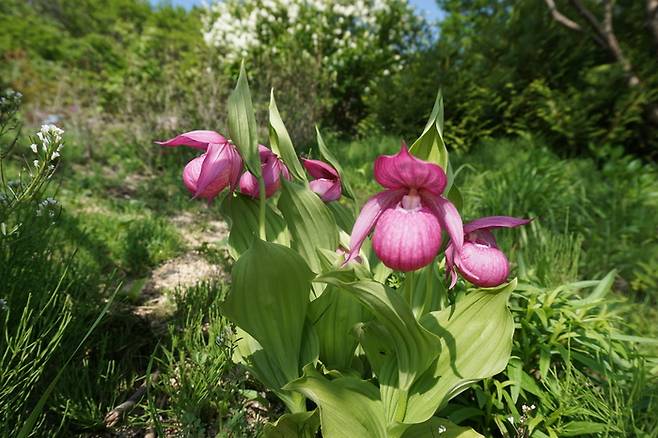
{"x":315,"y":321}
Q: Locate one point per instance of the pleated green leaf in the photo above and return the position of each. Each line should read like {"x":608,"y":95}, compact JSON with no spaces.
{"x":439,"y":427}
{"x":373,"y":339}
{"x":415,"y":347}
{"x":430,"y":145}
{"x":297,"y":425}
{"x":311,"y":224}
{"x":242,"y":213}
{"x":263,"y":366}
{"x":268,"y":299}
{"x":334,"y":314}
{"x":331,"y":159}
{"x":281,"y":143}
{"x":476,"y":336}
{"x":349,"y":407}
{"x":343,"y":215}
{"x":242,"y":123}
{"x":424,"y":290}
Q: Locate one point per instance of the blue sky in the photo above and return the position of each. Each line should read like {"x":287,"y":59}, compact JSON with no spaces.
{"x":428,"y":7}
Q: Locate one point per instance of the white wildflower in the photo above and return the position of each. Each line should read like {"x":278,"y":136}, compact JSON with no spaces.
{"x":36,"y":163}
{"x":34,"y":148}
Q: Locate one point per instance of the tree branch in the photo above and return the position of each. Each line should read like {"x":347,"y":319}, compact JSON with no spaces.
{"x":562,"y":19}
{"x":604,"y":34}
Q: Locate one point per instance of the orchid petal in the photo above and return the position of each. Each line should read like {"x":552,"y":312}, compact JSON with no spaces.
{"x":236,"y":165}
{"x":370,"y":212}
{"x":264,"y":153}
{"x":328,"y":190}
{"x":483,"y":265}
{"x":271,"y":169}
{"x":215,"y":170}
{"x":407,"y":240}
{"x":449,"y":218}
{"x":494,"y":222}
{"x":191,"y":173}
{"x":403,"y":170}
{"x":320,"y":169}
{"x":249,"y":184}
{"x":197,"y":139}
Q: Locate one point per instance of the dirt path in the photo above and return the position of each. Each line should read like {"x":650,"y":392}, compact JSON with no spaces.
{"x":187,"y":269}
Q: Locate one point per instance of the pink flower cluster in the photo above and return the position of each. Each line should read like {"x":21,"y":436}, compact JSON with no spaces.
{"x":220,"y":167}
{"x":408,"y":216}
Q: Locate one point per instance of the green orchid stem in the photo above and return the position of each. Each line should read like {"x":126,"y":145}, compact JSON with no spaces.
{"x":261,"y":212}
{"x":401,"y":408}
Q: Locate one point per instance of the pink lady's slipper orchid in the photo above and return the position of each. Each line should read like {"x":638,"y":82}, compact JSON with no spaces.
{"x":272,"y":169}
{"x":327,"y":181}
{"x":409,"y":215}
{"x":210,"y":173}
{"x":480,"y":261}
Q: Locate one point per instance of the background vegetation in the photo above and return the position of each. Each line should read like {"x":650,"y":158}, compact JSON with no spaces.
{"x":543,"y":120}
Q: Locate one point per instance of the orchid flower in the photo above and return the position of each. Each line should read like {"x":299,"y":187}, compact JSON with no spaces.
{"x":327,"y":181}
{"x":480,"y":261}
{"x":409,"y":215}
{"x":210,"y":173}
{"x":271,"y":168}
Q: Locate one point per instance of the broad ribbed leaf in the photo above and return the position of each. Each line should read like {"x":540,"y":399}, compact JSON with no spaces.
{"x":331,"y":159}
{"x":424,"y":290}
{"x":349,"y":407}
{"x":440,"y":428}
{"x":311,"y":224}
{"x":242,"y":123}
{"x":334,"y":314}
{"x":375,"y":341}
{"x":281,"y":143}
{"x":298,"y":425}
{"x":249,"y":353}
{"x":242,"y":212}
{"x":430,"y":145}
{"x":268,"y":299}
{"x":415,"y":347}
{"x":343,"y":215}
{"x":476,"y":337}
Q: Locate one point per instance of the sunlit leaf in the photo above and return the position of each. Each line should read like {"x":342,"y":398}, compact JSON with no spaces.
{"x":268,"y":299}
{"x":242,"y":214}
{"x":281,"y":143}
{"x":331,"y":159}
{"x":334,"y":314}
{"x":263,"y":366}
{"x":430,"y":146}
{"x":476,"y":336}
{"x":415,"y":347}
{"x":440,"y":428}
{"x":242,"y":123}
{"x":300,"y":424}
{"x":424,"y":290}
{"x":311,"y":224}
{"x":349,"y":407}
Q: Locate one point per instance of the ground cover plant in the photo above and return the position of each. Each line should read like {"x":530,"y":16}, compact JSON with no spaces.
{"x":114,"y":284}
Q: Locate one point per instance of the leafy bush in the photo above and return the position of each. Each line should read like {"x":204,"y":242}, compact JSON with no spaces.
{"x":573,"y":371}
{"x":508,"y":68}
{"x":323,"y":54}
